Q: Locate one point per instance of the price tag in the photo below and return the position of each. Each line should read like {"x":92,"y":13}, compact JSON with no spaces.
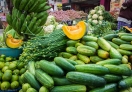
{"x":3,"y":18}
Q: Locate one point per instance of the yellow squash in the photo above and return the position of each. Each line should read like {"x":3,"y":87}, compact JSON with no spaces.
{"x":75,"y":32}
{"x":12,"y":42}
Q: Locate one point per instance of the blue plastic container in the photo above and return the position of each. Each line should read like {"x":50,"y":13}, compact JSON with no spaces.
{"x":11,"y":52}
{"x":14,"y":90}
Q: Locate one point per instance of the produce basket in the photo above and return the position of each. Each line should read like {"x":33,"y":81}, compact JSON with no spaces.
{"x":11,"y":52}
{"x":14,"y":90}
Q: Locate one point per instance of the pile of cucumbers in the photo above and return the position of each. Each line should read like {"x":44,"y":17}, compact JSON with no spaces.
{"x":28,"y":16}
{"x":90,"y":64}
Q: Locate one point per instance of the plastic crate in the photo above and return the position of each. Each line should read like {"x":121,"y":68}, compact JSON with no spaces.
{"x":11,"y":52}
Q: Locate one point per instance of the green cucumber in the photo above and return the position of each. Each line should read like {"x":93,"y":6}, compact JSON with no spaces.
{"x":126,"y":38}
{"x":103,"y":54}
{"x":107,"y":88}
{"x":115,"y":54}
{"x":72,"y":61}
{"x":109,"y":37}
{"x":92,"y":44}
{"x":111,"y":78}
{"x":71,"y":43}
{"x":125,"y":34}
{"x":95,"y":59}
{"x":92,"y":68}
{"x":119,"y":70}
{"x":69,"y":88}
{"x":113,"y":45}
{"x":124,"y":52}
{"x":50,"y":68}
{"x":44,"y":78}
{"x":86,"y":79}
{"x":86,"y":50}
{"x":80,"y":62}
{"x":64,"y":64}
{"x":72,"y":50}
{"x":103,"y":44}
{"x":83,"y":58}
{"x":66,"y":55}
{"x":126,"y":46}
{"x":61,"y":81}
{"x":126,"y":83}
{"x":29,"y":78}
{"x":89,"y":38}
{"x":109,"y":61}
{"x":119,"y":41}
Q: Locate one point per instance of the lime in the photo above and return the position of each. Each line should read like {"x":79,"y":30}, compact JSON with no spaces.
{"x":10,"y":71}
{"x":2,"y":60}
{"x":7,"y":63}
{"x":2,"y":64}
{"x":16,"y":71}
{"x":7,"y":76}
{"x":8,"y":59}
{"x":25,"y":87}
{"x":14,"y":78}
{"x":23,"y":70}
{"x":1,"y":74}
{"x":14,"y":84}
{"x":3,"y":56}
{"x":31,"y":90}
{"x":20,"y":65}
{"x":5,"y":85}
{"x":4,"y":68}
{"x":15,"y":62}
{"x":12,"y":66}
{"x":20,"y":90}
{"x":43,"y":89}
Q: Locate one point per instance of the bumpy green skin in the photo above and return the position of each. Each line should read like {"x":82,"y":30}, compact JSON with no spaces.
{"x":64,"y":64}
{"x":92,"y":44}
{"x":92,"y":68}
{"x":110,"y":36}
{"x":115,"y":54}
{"x":44,"y":78}
{"x":89,"y":38}
{"x":69,"y":88}
{"x":119,"y":41}
{"x":113,"y":45}
{"x":51,"y":69}
{"x":126,"y":38}
{"x":109,"y":61}
{"x":107,"y":88}
{"x":86,"y":79}
{"x":126,"y":47}
{"x":125,"y":83}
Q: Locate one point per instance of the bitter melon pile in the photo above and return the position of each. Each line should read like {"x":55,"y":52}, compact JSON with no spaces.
{"x":28,"y":16}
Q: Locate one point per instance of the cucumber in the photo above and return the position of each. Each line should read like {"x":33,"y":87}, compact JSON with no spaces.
{"x":66,"y":55}
{"x":29,"y":78}
{"x":44,"y":78}
{"x":103,"y":44}
{"x":85,"y":79}
{"x":89,"y":38}
{"x":126,"y":83}
{"x":50,"y":68}
{"x":113,"y":45}
{"x":92,"y":44}
{"x":64,"y":64}
{"x":103,"y":54}
{"x":72,"y":61}
{"x":125,"y":34}
{"x":72,"y":50}
{"x":111,"y":78}
{"x":119,"y":70}
{"x":69,"y":88}
{"x":126,"y":38}
{"x":124,"y":52}
{"x":95,"y":59}
{"x":61,"y":81}
{"x":115,"y":54}
{"x":78,"y":44}
{"x":83,"y":58}
{"x":109,"y":61}
{"x":119,"y":41}
{"x":79,"y":62}
{"x":109,"y":37}
{"x":86,"y":50}
{"x":71,"y":43}
{"x":126,"y":46}
{"x":92,"y":68}
{"x":107,"y":88}
{"x":74,"y":57}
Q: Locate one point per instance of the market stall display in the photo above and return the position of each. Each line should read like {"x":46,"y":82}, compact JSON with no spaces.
{"x":68,"y":58}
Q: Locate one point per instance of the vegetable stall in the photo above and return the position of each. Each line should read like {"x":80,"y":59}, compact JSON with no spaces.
{"x":88,"y":56}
